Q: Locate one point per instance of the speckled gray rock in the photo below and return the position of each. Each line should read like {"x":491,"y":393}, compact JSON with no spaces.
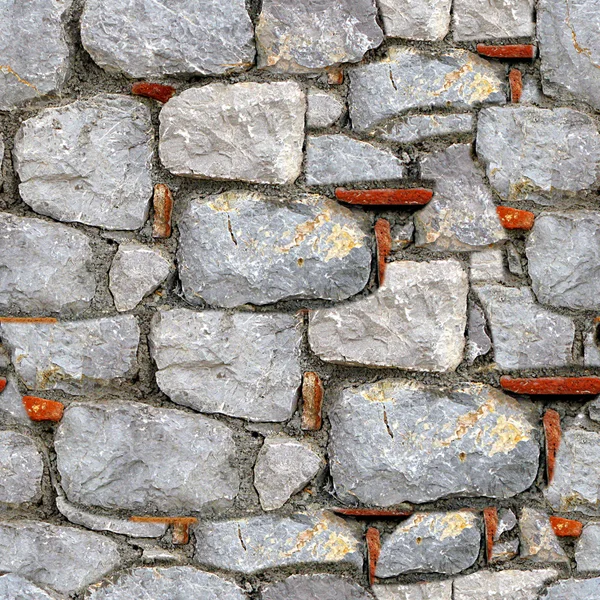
{"x":594,"y":410}
{"x":11,"y":403}
{"x":519,"y":146}
{"x":402,"y":235}
{"x":431,"y":443}
{"x":538,"y":540}
{"x":63,"y":558}
{"x":424,"y":20}
{"x":244,"y":365}
{"x":434,"y":590}
{"x":587,"y":551}
{"x":573,"y":589}
{"x":191,"y":37}
{"x":513,"y":258}
{"x":503,"y":551}
{"x":323,"y":109}
{"x":409,"y":78}
{"x":283,"y":467}
{"x":173,"y":462}
{"x":487,"y":265}
{"x":500,"y":585}
{"x":563,"y":251}
{"x":33,"y":64}
{"x":507,"y":521}
{"x":46,"y":267}
{"x":318,"y":587}
{"x":340,"y":159}
{"x":570,"y":48}
{"x":416,"y":128}
{"x":88,"y":161}
{"x":591,"y":351}
{"x":256,"y":543}
{"x":75,"y":357}
{"x":478,"y":342}
{"x":437,"y":542}
{"x":462,"y":214}
{"x":21,"y":469}
{"x":205,"y":132}
{"x":136,"y":271}
{"x":241,"y":247}
{"x":525,"y":335}
{"x":415,"y":320}
{"x":308,"y":35}
{"x":15,"y":587}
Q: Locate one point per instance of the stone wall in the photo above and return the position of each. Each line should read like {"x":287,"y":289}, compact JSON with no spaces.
{"x":299,"y":300}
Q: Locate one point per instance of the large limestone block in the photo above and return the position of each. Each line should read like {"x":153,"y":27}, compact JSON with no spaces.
{"x":423,"y":20}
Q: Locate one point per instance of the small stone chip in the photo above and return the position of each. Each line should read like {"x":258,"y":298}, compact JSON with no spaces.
{"x":323,"y":109}
{"x":538,"y":540}
{"x":21,"y":469}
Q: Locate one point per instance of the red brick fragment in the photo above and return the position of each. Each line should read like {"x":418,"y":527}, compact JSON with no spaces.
{"x":515,"y":79}
{"x":181,"y":526}
{"x":508,"y":51}
{"x":312,"y":401}
{"x":514,"y":218}
{"x":551,"y":385}
{"x":27,"y":320}
{"x":335,"y":76}
{"x":373,"y":550}
{"x":553,"y":433}
{"x":163,"y":207}
{"x":490,"y":518}
{"x":378,"y":513}
{"x":157,"y":91}
{"x":383,"y":237}
{"x":2,"y":384}
{"x":566,"y":527}
{"x":41,"y":409}
{"x":385,"y":197}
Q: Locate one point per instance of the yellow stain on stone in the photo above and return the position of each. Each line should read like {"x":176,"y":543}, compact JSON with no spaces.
{"x":342,"y":241}
{"x":455,"y":523}
{"x":224,"y":202}
{"x":508,"y":434}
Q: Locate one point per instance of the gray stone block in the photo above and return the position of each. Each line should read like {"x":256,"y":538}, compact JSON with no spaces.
{"x":323,"y":109}
{"x":425,"y":20}
{"x":538,"y":541}
{"x":434,"y":590}
{"x":318,"y":587}
{"x":573,"y":589}
{"x":416,"y":128}
{"x":500,"y":585}
{"x":21,"y":469}
{"x":587,"y":550}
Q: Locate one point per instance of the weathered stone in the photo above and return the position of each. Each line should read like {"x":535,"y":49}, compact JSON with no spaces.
{"x":594,"y":410}
{"x":462,"y":214}
{"x":242,"y":247}
{"x":519,"y":146}
{"x":514,"y":260}
{"x":205,"y":132}
{"x":591,"y":351}
{"x":573,"y":589}
{"x":409,"y":78}
{"x":63,"y":558}
{"x":525,"y":335}
{"x":563,"y":251}
{"x":402,"y":235}
{"x":46,"y":267}
{"x":507,"y":521}
{"x":172,"y":461}
{"x":431,"y":443}
{"x":11,"y":403}
{"x":323,"y":109}
{"x":193,"y":37}
{"x":435,"y":590}
{"x":305,"y":36}
{"x":500,"y":585}
{"x":478,"y":343}
{"x":321,"y":587}
{"x":21,"y":469}
{"x":88,"y":161}
{"x":416,"y":128}
{"x":431,"y":543}
{"x":487,"y":265}
{"x":503,"y":551}
{"x":587,"y":551}
{"x":244,"y":365}
{"x":427,"y":20}
{"x":415,"y":320}
{"x":136,"y":271}
{"x":256,"y":543}
{"x":15,"y":587}
{"x":538,"y":541}
{"x":341,"y":159}
{"x":75,"y":357}
{"x":570,"y":48}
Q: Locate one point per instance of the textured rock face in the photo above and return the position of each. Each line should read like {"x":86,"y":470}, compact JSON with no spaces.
{"x":408,"y":78}
{"x":482,"y":19}
{"x":244,"y":365}
{"x":473,"y":441}
{"x":323,"y":587}
{"x":11,"y":403}
{"x":88,"y":161}
{"x":436,"y":590}
{"x":479,"y":343}
{"x":63,"y":558}
{"x":517,"y":585}
{"x":587,"y":552}
{"x":416,"y":321}
{"x":15,"y":587}
{"x":21,"y":468}
{"x":75,"y":357}
{"x":573,"y":589}
{"x":322,"y":109}
{"x":172,"y":462}
{"x":416,"y":128}
{"x":519,"y":146}
{"x":538,"y":541}
{"x":242,"y":247}
{"x":487,"y":265}
{"x":205,"y":132}
{"x":190,"y":37}
{"x":308,"y":35}
{"x":431,"y":543}
{"x":253,"y":544}
{"x":45,"y":267}
{"x":427,"y":20}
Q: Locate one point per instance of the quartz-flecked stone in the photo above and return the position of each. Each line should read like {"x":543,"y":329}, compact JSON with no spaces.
{"x":127,"y":455}
{"x":433,"y":590}
{"x":416,"y":128}
{"x":435,"y":542}
{"x":570,"y":48}
{"x":243,"y":365}
{"x":144,"y":38}
{"x":308,"y":35}
{"x":34,"y":51}
{"x":323,"y":109}
{"x":63,"y":558}
{"x":487,"y":266}
{"x":538,"y":540}
{"x":587,"y":551}
{"x":478,"y":343}
{"x":338,"y":158}
{"x":15,"y":587}
{"x":21,"y":468}
{"x":462,"y":214}
{"x":242,"y":247}
{"x":500,"y":585}
{"x":431,"y":443}
{"x":415,"y":320}
{"x":319,"y":587}
{"x":525,"y":335}
{"x":409,"y":79}
{"x":519,"y":146}
{"x":76,"y":357}
{"x":244,"y":131}
{"x":44,"y":267}
{"x":573,"y":589}
{"x":424,"y":20}
{"x":253,"y":544}
{"x":88,"y":161}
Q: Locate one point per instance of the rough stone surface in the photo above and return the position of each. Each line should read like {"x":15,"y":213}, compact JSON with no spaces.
{"x":573,"y":589}
{"x":15,"y":587}
{"x":319,"y":587}
{"x":21,"y":469}
{"x":244,"y":365}
{"x":519,"y":146}
{"x":415,"y":320}
{"x":478,"y":343}
{"x":323,"y":109}
{"x":516,"y":585}
{"x":507,"y":521}
{"x":504,"y":551}
{"x":427,"y":20}
{"x":435,"y":590}
{"x":587,"y":551}
{"x":244,"y":131}
{"x":591,"y":351}
{"x":416,"y":128}
{"x":402,"y":235}
{"x":409,"y":78}
{"x":593,"y":409}
{"x":433,"y":542}
{"x":172,"y":462}
{"x":472,"y":441}
{"x":88,"y":161}
{"x":191,"y":37}
{"x":513,"y":257}
{"x":242,"y":247}
{"x":11,"y":403}
{"x":538,"y":541}
{"x":487,"y":265}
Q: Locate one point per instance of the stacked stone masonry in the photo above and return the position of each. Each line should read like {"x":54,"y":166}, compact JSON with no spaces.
{"x":300,"y":299}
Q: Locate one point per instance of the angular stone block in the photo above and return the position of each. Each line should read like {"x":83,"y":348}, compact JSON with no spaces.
{"x":21,"y":469}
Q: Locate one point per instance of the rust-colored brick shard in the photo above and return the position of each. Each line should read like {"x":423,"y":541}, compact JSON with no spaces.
{"x":383,"y":237}
{"x":515,"y":80}
{"x":566,"y":527}
{"x":181,"y":526}
{"x":335,"y":76}
{"x":508,"y":51}
{"x":28,"y":320}
{"x":312,"y":401}
{"x":2,"y":384}
{"x":41,"y":409}
{"x":553,"y":433}
{"x":564,"y":386}
{"x":490,"y":518}
{"x":163,"y":207}
{"x":378,"y":513}
{"x":385,"y":196}
{"x":373,"y":550}
{"x":157,"y":91}
{"x":514,"y":218}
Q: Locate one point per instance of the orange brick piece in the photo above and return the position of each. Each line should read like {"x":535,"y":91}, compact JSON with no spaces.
{"x":27,"y":320}
{"x":163,"y":207}
{"x":566,"y":527}
{"x":383,"y":236}
{"x":385,"y":197}
{"x":312,"y":401}
{"x":508,"y":51}
{"x":514,"y":218}
{"x":515,"y":79}
{"x":181,"y":526}
{"x":490,"y":518}
{"x":335,"y":76}
{"x":2,"y":384}
{"x":40,"y":409}
{"x":373,"y":550}
{"x":553,"y":434}
{"x":377,"y":513}
{"x":564,"y":386}
{"x":159,"y":92}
